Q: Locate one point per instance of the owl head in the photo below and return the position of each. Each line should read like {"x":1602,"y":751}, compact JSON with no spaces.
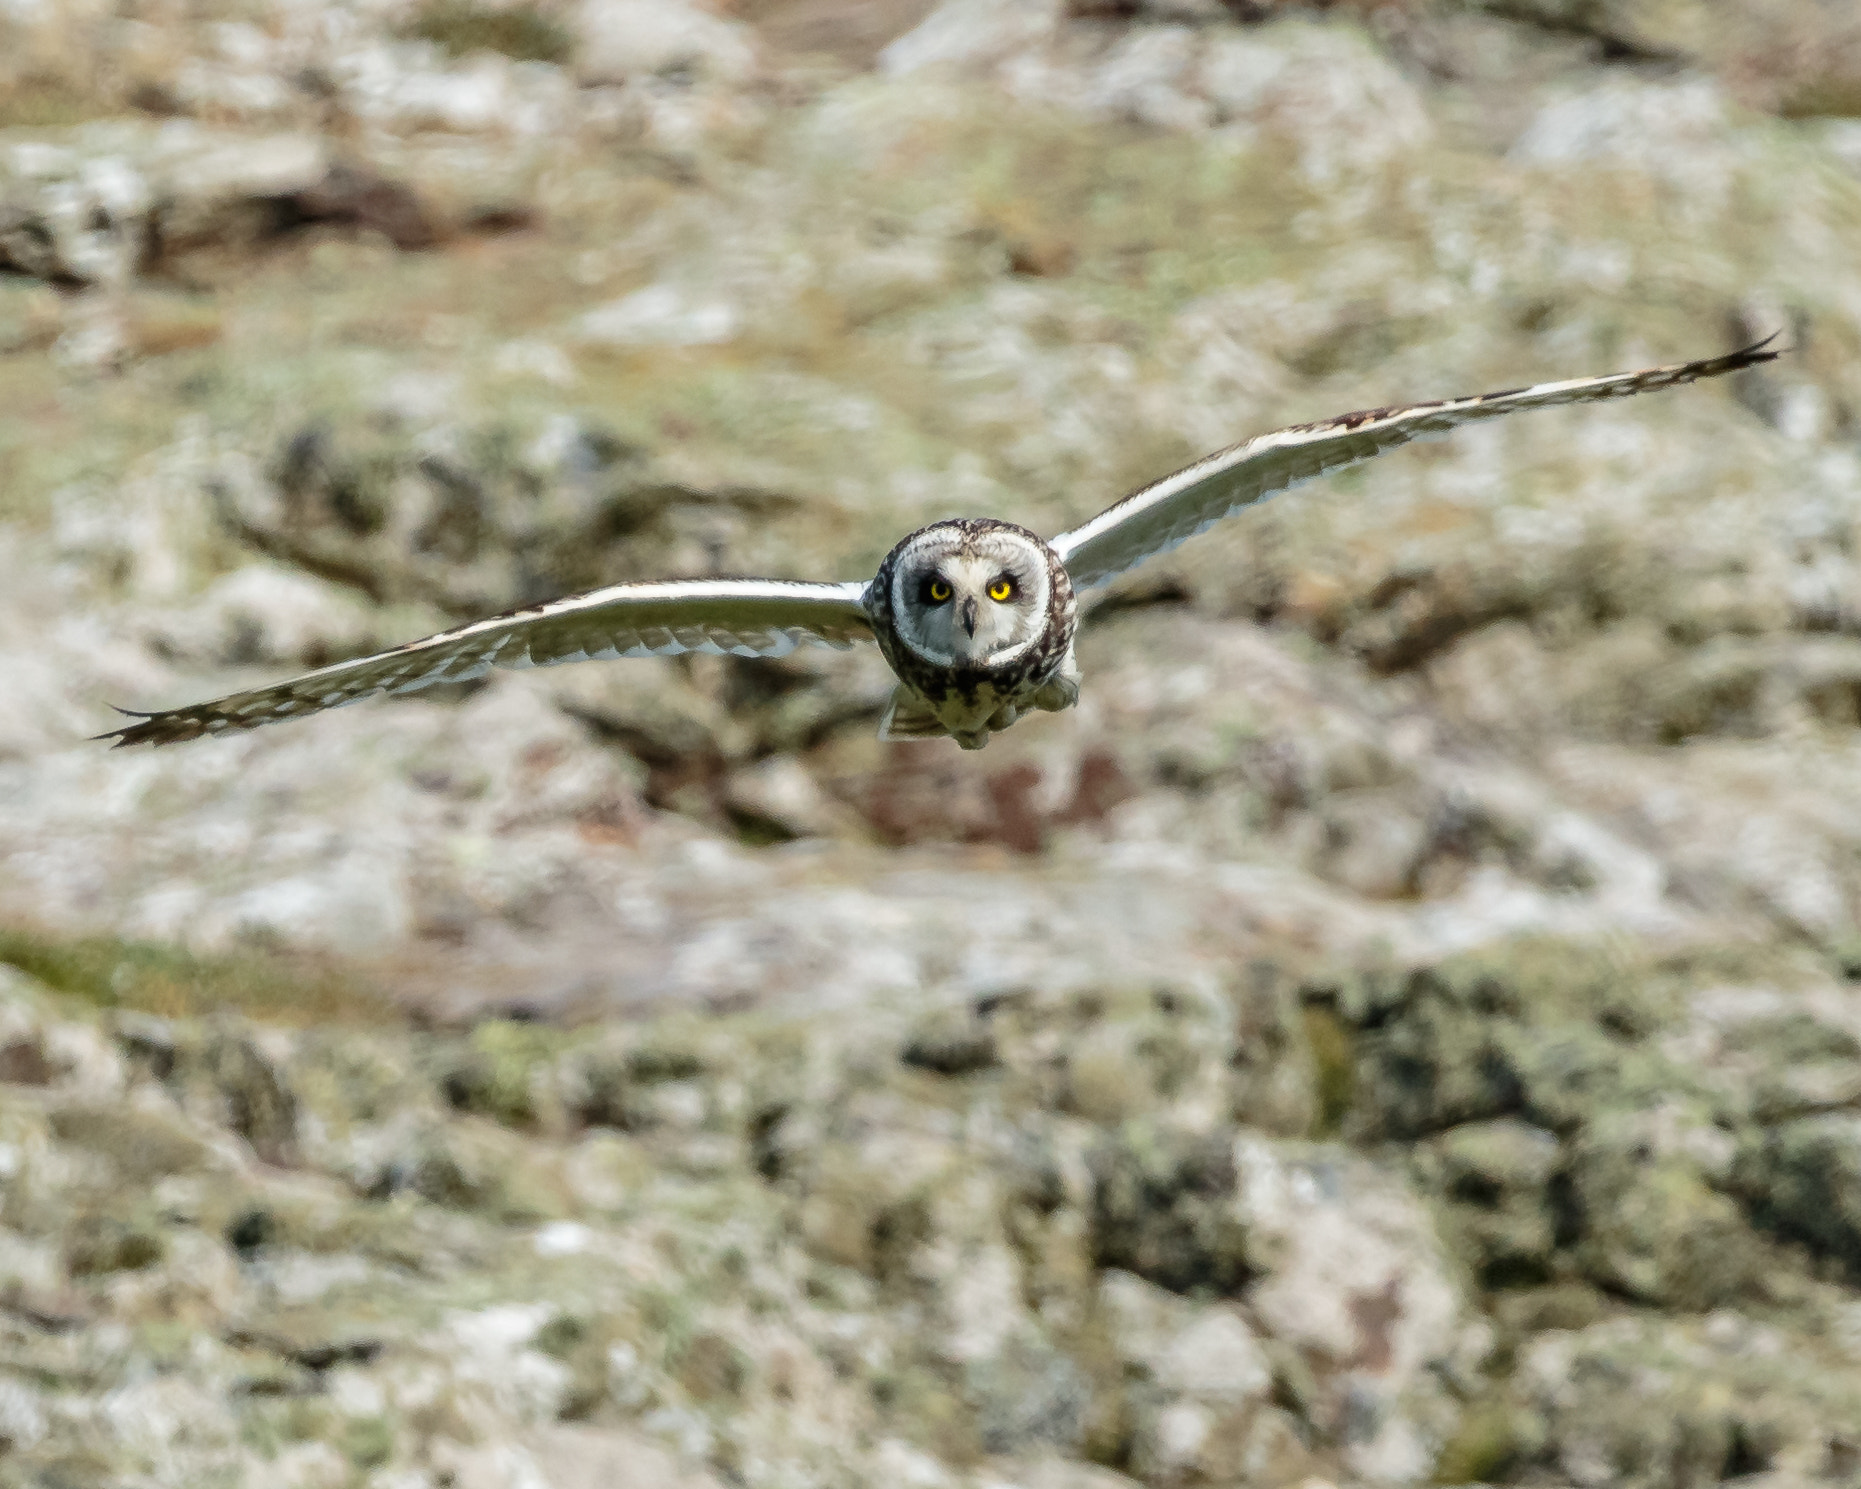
{"x":971,"y":593}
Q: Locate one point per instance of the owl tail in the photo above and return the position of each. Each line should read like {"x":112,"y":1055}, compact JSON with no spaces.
{"x":908,"y":716}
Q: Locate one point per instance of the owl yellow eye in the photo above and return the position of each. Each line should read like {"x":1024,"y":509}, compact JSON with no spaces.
{"x":1002,"y":588}
{"x":938,"y":591}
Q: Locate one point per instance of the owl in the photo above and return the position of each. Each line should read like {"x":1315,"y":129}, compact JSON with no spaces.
{"x":975,"y":616}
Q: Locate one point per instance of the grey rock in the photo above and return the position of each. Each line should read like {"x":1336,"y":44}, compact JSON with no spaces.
{"x":113,"y":201}
{"x":1501,"y":1216}
{"x":623,"y":39}
{"x":1650,"y":1223}
{"x":1163,"y":1207}
{"x":1029,"y":1397}
{"x":1802,"y":1176}
{"x":1632,"y":1399}
{"x":1276,"y":1068}
{"x":952,"y":1043}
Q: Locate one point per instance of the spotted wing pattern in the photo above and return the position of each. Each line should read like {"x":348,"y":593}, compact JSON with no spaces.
{"x":731,"y":617}
{"x":1173,"y":510}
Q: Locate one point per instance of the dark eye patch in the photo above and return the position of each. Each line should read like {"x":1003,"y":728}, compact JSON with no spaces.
{"x":933,"y":589}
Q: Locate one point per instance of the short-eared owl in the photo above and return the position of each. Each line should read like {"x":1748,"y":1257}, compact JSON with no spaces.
{"x":975,"y":616}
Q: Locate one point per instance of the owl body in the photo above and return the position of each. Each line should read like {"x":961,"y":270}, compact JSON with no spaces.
{"x":975,"y":616}
{"x":969,"y":663}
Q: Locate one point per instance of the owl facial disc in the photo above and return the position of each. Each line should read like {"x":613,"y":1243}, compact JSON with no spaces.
{"x":967,"y":598}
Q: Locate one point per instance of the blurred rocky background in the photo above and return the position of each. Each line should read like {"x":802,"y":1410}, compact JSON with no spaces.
{"x":1404,"y":1028}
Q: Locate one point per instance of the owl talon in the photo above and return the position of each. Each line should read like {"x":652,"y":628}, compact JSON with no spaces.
{"x":1061,"y":693}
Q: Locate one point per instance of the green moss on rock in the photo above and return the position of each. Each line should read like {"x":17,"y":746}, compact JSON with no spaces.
{"x":525,"y":32}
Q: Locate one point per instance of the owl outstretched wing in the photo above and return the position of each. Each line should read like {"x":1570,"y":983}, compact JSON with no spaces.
{"x":1173,"y":510}
{"x":731,"y":617}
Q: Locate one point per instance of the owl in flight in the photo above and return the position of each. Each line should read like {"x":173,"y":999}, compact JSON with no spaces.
{"x":975,"y":616}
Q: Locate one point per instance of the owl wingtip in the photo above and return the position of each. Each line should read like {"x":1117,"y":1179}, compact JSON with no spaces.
{"x":145,"y":729}
{"x":1760,"y":351}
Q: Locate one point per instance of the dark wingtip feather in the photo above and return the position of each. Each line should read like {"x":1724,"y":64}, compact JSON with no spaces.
{"x":129,"y":734}
{"x":150,"y":729}
{"x":1758,"y":351}
{"x":120,"y":737}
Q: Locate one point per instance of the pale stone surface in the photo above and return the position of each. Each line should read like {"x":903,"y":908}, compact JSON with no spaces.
{"x":1400,"y":1028}
{"x":659,"y":315}
{"x":622,"y":39}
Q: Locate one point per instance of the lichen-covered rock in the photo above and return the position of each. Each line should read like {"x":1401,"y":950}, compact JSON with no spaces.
{"x":1803,"y":1177}
{"x":1641,"y":1187}
{"x":1199,"y":1384}
{"x":1353,"y":1279}
{"x":623,"y":39}
{"x":1516,"y":1031}
{"x":1164,"y":1208}
{"x":1642,"y":1401}
{"x":113,"y":201}
{"x":872,"y":1244}
{"x":1497,"y":1175}
{"x":1401,"y":1027}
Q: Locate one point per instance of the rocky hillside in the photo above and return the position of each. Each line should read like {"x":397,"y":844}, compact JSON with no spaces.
{"x":1402,"y":1028}
{"x":1533,"y":1214}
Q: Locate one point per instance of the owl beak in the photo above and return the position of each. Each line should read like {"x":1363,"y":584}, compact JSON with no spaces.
{"x":969,"y":615}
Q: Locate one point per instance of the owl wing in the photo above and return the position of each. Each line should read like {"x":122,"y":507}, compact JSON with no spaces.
{"x":731,"y":617}
{"x":1173,"y":510}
